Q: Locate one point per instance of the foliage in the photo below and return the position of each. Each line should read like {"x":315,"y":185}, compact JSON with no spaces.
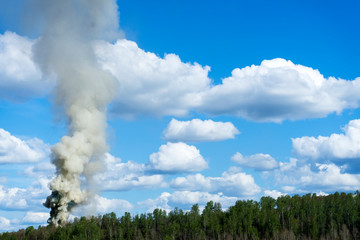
{"x":336,"y":216}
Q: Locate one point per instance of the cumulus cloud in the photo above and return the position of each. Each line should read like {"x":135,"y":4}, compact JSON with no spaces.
{"x":321,"y":193}
{"x":232,"y":183}
{"x":12,"y":198}
{"x":121,"y":176}
{"x":198,"y":130}
{"x":168,"y":201}
{"x":187,"y":197}
{"x":343,"y":149}
{"x":273,"y":91}
{"x":15,"y":150}
{"x":36,"y":217}
{"x":277,"y":90}
{"x":330,"y":175}
{"x":160,"y":202}
{"x":105,"y":205}
{"x":273,"y":193}
{"x":193,"y":183}
{"x":315,"y":178}
{"x":259,"y":161}
{"x":31,"y":197}
{"x":19,"y":77}
{"x":177,"y":157}
{"x":102,"y":205}
{"x":150,"y":85}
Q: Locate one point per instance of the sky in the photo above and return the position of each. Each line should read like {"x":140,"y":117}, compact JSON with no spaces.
{"x":219,"y":101}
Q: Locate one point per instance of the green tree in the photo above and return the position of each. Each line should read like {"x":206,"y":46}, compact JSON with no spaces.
{"x":269,"y":219}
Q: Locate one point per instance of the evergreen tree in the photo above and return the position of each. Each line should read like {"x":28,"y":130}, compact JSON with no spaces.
{"x":336,"y":216}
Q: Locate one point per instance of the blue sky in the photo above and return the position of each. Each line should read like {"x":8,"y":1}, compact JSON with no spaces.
{"x":216,"y":101}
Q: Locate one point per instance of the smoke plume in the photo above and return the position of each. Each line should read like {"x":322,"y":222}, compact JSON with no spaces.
{"x":64,"y":51}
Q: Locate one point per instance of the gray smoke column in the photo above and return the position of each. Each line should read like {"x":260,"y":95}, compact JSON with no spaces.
{"x":64,"y":51}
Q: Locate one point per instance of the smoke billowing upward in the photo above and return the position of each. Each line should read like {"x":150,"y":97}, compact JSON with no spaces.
{"x":64,"y":51}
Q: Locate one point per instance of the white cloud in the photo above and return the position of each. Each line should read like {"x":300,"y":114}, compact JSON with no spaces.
{"x":259,"y":161}
{"x":198,"y":189}
{"x":150,"y":85}
{"x":28,"y":198}
{"x":5,"y":224}
{"x":187,"y":197}
{"x":105,"y":205}
{"x":39,"y":189}
{"x":131,"y":182}
{"x":125,"y":176}
{"x":177,"y":157}
{"x":13,"y":198}
{"x":288,"y":188}
{"x":198,"y":130}
{"x":168,"y":201}
{"x":102,"y":205}
{"x":19,"y":77}
{"x":193,"y":183}
{"x":273,"y":193}
{"x":44,"y":169}
{"x":160,"y":202}
{"x":338,"y":148}
{"x":315,"y":178}
{"x":232,"y":183}
{"x":37,"y":177}
{"x":31,"y":197}
{"x":330,"y":174}
{"x":321,"y":193}
{"x":277,"y":90}
{"x":15,"y":150}
{"x":274,"y":91}
{"x":36,"y":217}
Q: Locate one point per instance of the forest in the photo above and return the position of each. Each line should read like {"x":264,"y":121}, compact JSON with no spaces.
{"x":335,"y":216}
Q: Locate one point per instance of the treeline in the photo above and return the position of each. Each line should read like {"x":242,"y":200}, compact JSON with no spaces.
{"x":336,"y":216}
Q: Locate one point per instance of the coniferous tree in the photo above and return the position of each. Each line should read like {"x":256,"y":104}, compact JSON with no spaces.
{"x":336,"y":216}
